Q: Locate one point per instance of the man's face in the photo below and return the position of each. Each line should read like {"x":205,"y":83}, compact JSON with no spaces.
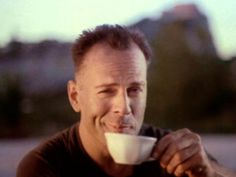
{"x":111,"y":90}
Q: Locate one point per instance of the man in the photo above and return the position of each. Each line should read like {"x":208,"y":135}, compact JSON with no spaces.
{"x":109,"y":91}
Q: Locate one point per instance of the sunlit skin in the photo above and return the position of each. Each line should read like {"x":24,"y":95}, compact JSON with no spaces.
{"x":110,"y":91}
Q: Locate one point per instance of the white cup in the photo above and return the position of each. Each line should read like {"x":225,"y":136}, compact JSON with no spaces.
{"x":129,"y":149}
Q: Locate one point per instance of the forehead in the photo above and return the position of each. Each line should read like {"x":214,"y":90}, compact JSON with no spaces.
{"x":105,"y":65}
{"x":102,"y":54}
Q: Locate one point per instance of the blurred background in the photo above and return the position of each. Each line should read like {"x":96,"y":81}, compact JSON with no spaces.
{"x":192,"y":80}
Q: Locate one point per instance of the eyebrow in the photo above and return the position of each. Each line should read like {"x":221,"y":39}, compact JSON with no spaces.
{"x":142,"y":83}
{"x":106,"y":85}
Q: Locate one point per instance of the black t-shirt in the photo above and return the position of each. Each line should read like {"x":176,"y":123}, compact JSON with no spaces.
{"x":64,"y":156}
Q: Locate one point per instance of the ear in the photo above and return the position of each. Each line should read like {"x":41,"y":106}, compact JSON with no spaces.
{"x":72,"y":92}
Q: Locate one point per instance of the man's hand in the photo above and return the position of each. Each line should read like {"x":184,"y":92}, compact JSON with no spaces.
{"x":181,"y":152}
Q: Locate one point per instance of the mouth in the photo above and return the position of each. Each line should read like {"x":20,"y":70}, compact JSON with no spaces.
{"x":123,"y":128}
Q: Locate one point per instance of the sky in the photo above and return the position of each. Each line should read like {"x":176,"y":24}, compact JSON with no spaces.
{"x":34,"y":20}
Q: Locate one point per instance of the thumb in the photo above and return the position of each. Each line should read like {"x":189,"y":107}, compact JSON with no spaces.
{"x":198,"y":171}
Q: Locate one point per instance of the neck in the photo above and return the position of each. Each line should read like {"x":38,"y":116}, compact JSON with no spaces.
{"x":99,"y":153}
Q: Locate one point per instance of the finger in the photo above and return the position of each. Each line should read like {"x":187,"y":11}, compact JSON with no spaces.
{"x":173,"y":148}
{"x":167,"y":140}
{"x":177,"y":146}
{"x":190,"y":166}
{"x":181,"y":156}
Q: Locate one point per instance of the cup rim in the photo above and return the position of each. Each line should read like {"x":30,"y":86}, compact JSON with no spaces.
{"x":131,"y":135}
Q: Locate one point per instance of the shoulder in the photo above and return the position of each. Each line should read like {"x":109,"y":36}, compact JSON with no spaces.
{"x":48,"y":156}
{"x":150,"y":130}
{"x":33,"y":165}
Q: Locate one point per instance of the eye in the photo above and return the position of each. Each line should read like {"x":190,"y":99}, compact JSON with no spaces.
{"x":134,"y":91}
{"x":107,"y":91}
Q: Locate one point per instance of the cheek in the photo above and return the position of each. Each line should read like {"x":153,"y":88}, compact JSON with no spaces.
{"x":140,"y":103}
{"x":139,"y":109}
{"x":101,"y":107}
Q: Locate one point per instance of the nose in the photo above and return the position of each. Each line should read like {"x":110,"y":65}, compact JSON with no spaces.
{"x":122,"y":104}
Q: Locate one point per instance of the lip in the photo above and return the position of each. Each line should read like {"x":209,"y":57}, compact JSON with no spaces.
{"x":119,"y":128}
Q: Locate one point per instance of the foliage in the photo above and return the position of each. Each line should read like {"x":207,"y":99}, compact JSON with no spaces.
{"x":188,"y":88}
